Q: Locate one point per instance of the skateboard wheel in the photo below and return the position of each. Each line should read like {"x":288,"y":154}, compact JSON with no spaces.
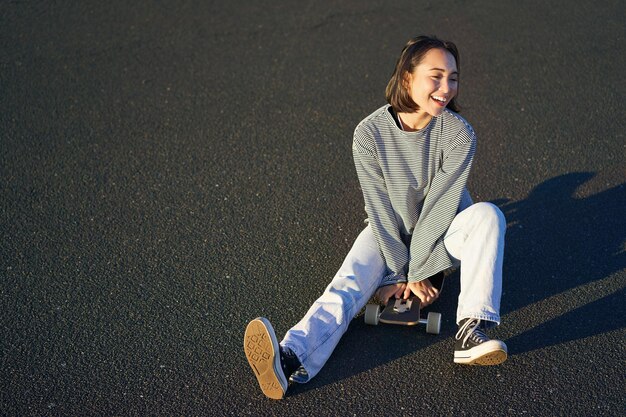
{"x":433,"y":323}
{"x":372,"y":313}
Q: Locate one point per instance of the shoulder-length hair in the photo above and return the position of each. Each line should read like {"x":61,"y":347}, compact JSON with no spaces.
{"x":396,"y":92}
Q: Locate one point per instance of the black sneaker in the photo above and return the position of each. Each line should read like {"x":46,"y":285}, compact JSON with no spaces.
{"x":272,"y":365}
{"x":473,"y":347}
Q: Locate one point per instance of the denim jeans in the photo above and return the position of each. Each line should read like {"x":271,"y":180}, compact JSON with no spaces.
{"x":475,"y":238}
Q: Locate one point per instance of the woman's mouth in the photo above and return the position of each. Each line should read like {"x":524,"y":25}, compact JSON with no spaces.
{"x":441,"y":101}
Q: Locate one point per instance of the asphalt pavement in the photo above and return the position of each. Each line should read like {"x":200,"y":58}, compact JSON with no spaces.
{"x":171,"y":170}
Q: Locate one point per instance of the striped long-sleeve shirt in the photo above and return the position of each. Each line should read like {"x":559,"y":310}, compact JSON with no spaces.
{"x":413,"y":184}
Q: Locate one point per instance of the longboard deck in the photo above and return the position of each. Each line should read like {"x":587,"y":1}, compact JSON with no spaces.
{"x":399,"y":311}
{"x":407,"y":312}
{"x":437,"y":281}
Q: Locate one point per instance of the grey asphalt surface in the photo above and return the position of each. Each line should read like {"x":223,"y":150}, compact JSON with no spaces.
{"x":169,"y":171}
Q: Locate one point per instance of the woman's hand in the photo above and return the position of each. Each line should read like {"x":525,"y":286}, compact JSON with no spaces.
{"x":388,"y":291}
{"x":424,"y":290}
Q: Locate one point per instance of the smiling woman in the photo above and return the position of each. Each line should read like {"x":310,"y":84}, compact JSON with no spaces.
{"x":413,"y":157}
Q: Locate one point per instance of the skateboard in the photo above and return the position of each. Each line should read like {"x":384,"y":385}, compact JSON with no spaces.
{"x":406,"y":312}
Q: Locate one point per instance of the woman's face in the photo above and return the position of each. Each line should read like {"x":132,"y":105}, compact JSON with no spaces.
{"x":433,"y":82}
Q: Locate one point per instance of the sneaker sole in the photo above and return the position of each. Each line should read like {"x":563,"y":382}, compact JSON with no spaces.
{"x":262,"y":351}
{"x":486,"y":354}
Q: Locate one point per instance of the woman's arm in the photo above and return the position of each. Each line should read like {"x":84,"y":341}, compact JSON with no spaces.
{"x":441,"y":205}
{"x":382,"y":218}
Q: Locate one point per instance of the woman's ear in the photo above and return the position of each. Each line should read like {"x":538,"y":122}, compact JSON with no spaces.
{"x":406,"y":80}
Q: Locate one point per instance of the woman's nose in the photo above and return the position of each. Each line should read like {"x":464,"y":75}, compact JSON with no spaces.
{"x":444,"y":87}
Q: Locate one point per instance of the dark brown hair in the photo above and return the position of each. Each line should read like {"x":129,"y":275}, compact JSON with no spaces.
{"x":396,"y":93}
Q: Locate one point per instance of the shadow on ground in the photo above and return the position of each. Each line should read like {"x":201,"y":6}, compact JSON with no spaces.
{"x":555,"y":242}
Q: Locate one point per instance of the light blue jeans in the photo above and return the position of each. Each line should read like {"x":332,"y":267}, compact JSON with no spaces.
{"x":475,"y":238}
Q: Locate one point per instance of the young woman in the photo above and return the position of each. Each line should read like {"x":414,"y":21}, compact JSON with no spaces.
{"x":413,"y":157}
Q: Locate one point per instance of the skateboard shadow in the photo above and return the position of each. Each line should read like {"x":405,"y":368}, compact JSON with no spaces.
{"x":555,"y":243}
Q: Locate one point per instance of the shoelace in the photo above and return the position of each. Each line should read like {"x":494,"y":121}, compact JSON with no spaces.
{"x":471,"y":330}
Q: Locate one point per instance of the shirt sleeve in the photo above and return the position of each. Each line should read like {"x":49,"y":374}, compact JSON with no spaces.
{"x":440,"y":206}
{"x":382,"y":218}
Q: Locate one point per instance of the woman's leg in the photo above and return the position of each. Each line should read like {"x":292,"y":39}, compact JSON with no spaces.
{"x":476,"y":238}
{"x":315,"y":337}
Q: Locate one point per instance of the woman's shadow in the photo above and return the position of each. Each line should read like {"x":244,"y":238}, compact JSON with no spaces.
{"x":555,"y":243}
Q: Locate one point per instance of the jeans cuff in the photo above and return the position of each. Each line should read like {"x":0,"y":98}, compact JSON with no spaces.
{"x":393,"y":278}
{"x":490,"y":320}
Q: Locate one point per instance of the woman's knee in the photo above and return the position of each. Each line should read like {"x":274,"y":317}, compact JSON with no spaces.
{"x":489,"y":212}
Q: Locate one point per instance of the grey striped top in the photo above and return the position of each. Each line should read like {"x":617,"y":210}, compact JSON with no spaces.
{"x":413,"y":184}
